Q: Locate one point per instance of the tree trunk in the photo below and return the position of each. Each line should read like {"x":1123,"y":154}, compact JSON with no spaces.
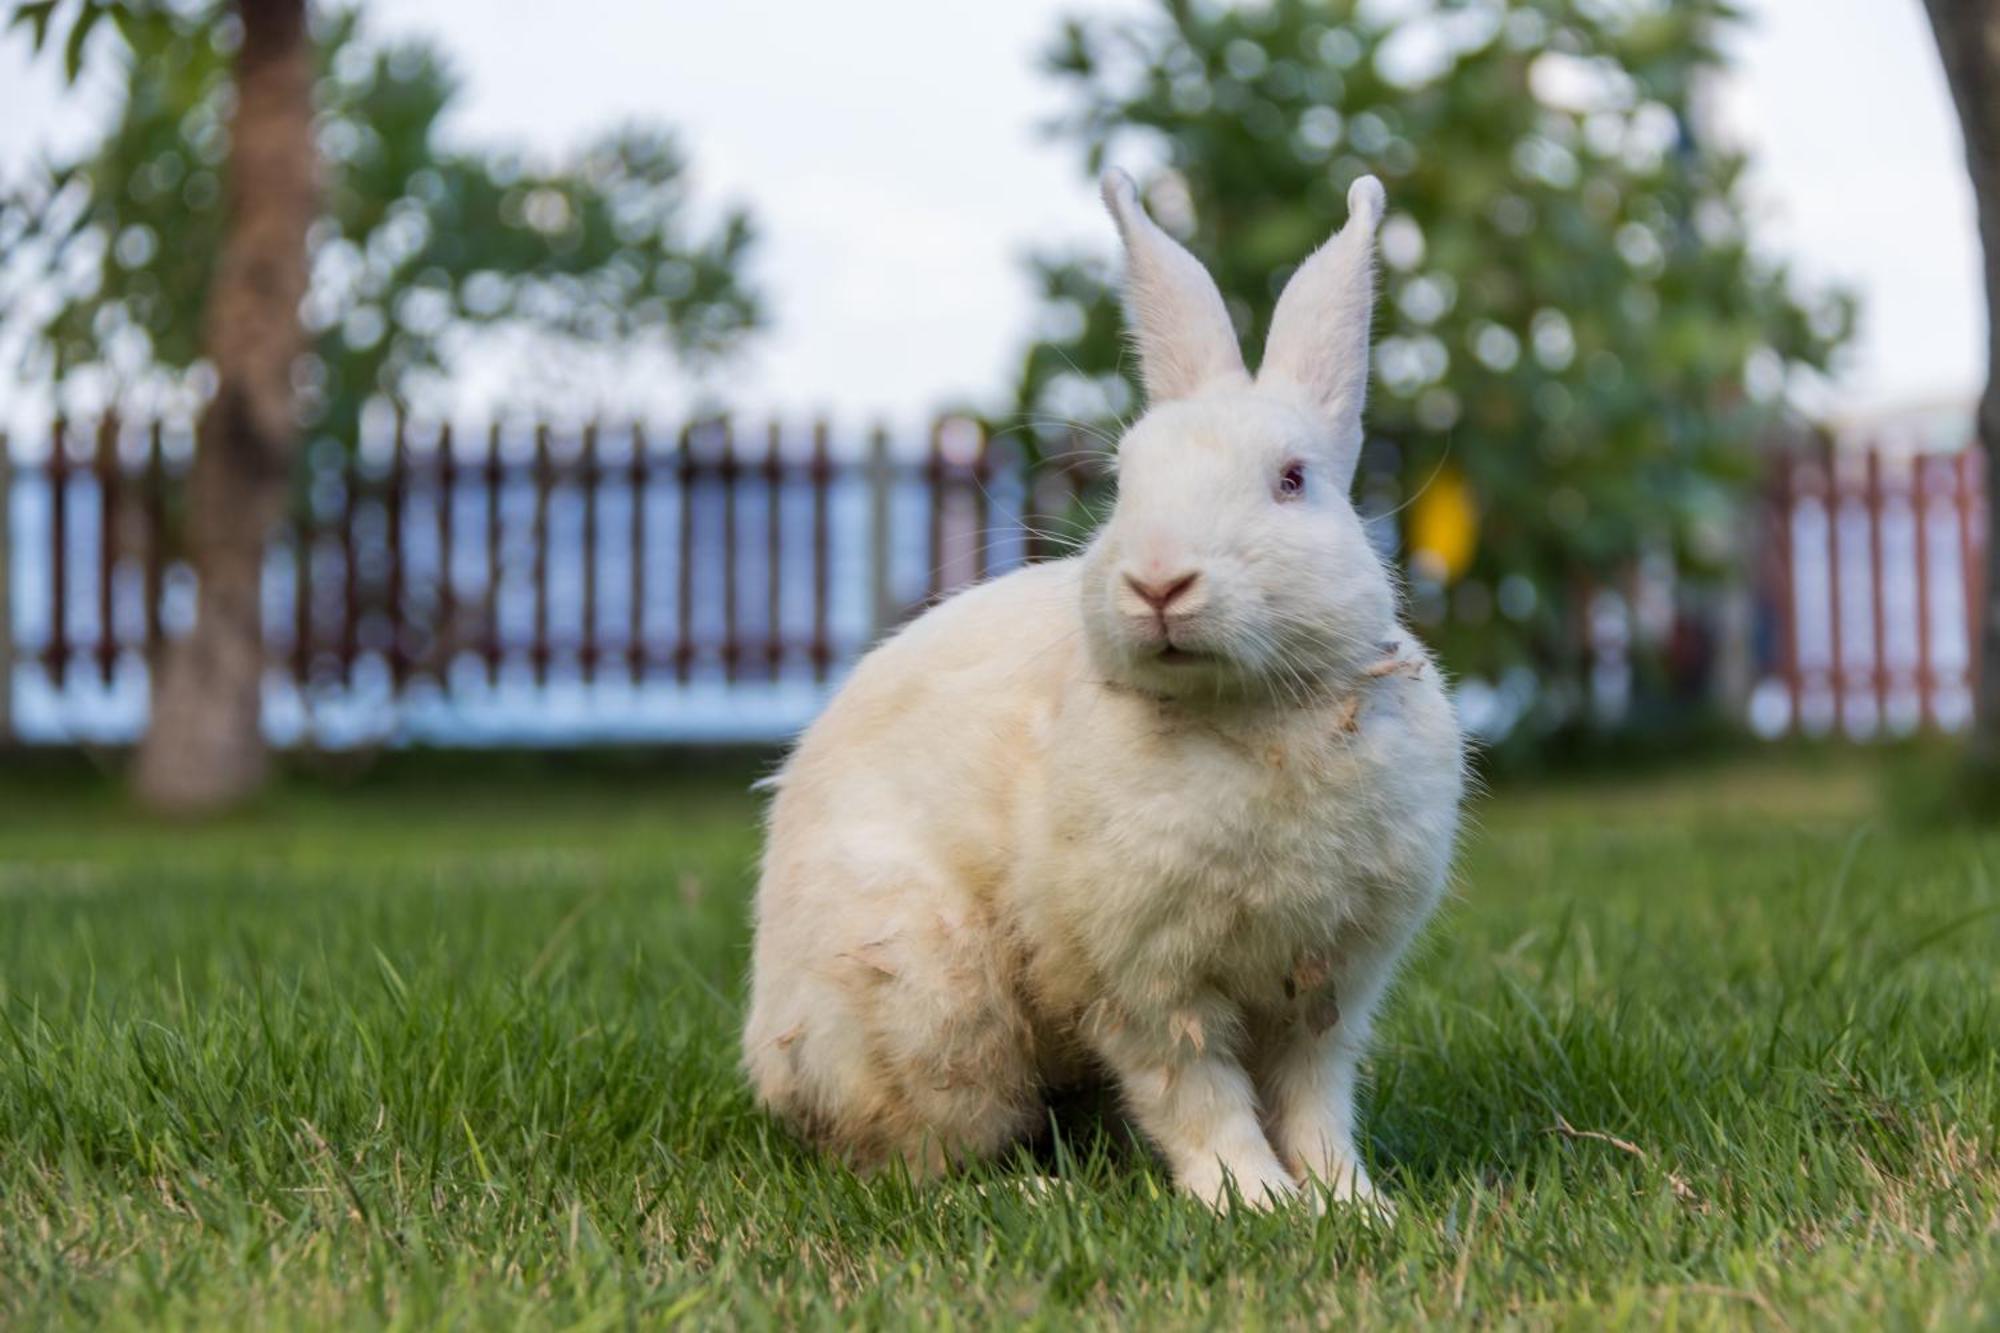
{"x":205,"y":747}
{"x":1968,"y":38}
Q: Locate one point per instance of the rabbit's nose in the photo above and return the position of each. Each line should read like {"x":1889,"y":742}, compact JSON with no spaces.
{"x":1162,"y":593}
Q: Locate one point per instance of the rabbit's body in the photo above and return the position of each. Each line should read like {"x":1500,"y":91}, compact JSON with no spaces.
{"x":1049,"y":828}
{"x":945,"y":930}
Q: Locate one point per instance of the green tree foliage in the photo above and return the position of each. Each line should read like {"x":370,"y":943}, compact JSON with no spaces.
{"x":1573,"y":316}
{"x":418,"y":242}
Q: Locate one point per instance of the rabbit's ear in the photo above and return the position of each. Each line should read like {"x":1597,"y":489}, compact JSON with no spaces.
{"x":1319,"y":332}
{"x":1172,"y":309}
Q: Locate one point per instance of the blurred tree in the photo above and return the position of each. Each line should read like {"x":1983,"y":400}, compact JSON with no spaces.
{"x":1578,"y":347}
{"x":1968,"y":38}
{"x":271,"y":227}
{"x":205,"y":746}
{"x":413,"y":245}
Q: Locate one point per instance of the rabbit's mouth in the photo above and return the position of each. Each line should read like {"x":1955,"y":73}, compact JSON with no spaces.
{"x":1173,"y":655}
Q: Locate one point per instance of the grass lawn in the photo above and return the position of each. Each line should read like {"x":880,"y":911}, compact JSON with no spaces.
{"x":1716,"y":1048}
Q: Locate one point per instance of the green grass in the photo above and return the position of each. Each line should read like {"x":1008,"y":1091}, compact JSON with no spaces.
{"x":459,"y":1048}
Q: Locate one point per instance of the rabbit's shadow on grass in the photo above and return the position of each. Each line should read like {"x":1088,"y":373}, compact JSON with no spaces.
{"x":1085,"y":1129}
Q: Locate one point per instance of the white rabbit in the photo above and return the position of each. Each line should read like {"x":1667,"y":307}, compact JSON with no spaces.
{"x":1170,"y":809}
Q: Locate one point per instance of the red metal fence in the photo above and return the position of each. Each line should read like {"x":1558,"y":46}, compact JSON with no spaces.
{"x":1872,"y":575}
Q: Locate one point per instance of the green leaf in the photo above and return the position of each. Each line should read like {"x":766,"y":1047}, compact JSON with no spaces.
{"x":36,"y":15}
{"x":79,"y":36}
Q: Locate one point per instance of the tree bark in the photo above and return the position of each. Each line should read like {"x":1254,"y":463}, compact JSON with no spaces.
{"x":1968,"y":39}
{"x":204,"y":749}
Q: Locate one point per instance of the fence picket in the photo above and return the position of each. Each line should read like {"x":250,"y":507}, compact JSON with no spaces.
{"x":495,"y":485}
{"x":684,"y":566}
{"x":732,"y":629}
{"x":1837,"y":662}
{"x":589,"y":478}
{"x":1971,"y":484}
{"x":934,"y":495}
{"x":1920,"y":556}
{"x":822,"y":552}
{"x":774,"y":551}
{"x":105,"y":466}
{"x":6,"y":589}
{"x":1784,"y":599}
{"x":544,"y":481}
{"x":982,"y":476}
{"x":304,"y":526}
{"x":350,"y":571}
{"x":635,"y":632}
{"x":445,"y":644}
{"x":58,"y":473}
{"x":1876,"y":507}
{"x":393,"y":491}
{"x":159,"y":547}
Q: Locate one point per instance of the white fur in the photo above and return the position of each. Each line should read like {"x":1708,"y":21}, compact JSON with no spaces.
{"x":1021,"y":845}
{"x":1172,"y":309}
{"x":1319,"y":332}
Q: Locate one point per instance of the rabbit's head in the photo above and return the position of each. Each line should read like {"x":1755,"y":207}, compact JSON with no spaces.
{"x":1233,"y":563}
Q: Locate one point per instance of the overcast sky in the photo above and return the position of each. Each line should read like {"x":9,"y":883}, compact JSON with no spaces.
{"x":889,"y":148}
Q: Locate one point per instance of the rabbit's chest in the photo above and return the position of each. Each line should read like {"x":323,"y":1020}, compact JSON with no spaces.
{"x":1222,"y":858}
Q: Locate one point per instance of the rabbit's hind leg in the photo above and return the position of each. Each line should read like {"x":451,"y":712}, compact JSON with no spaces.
{"x":911,"y":1046}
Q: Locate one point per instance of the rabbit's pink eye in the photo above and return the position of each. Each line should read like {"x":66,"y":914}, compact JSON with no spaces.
{"x":1292,"y":481}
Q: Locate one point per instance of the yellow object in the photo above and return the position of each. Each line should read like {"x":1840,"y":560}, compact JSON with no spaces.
{"x":1444,"y":526}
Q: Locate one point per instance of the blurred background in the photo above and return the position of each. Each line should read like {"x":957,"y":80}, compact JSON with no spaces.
{"x":650,"y":367}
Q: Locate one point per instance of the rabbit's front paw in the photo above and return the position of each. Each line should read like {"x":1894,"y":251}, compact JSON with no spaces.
{"x":1260,"y":1186}
{"x":1352,"y":1191}
{"x":1336,"y":1179}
